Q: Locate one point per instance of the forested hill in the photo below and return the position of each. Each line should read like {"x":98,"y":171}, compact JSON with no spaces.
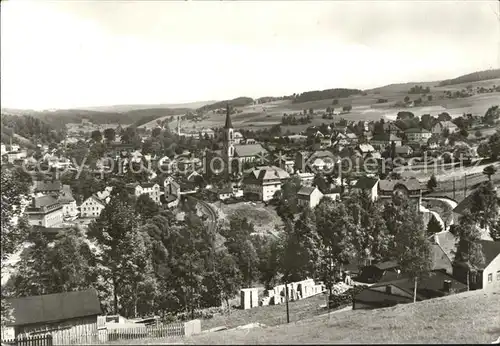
{"x":472,"y":77}
{"x":325,"y":94}
{"x":59,"y":118}
{"x":237,"y":102}
{"x":22,"y":128}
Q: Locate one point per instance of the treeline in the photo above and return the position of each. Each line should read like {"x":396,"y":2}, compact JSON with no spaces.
{"x":325,"y":94}
{"x":418,"y":89}
{"x":472,"y":77}
{"x":59,"y":118}
{"x":30,"y":128}
{"x":266,"y":99}
{"x":237,"y":102}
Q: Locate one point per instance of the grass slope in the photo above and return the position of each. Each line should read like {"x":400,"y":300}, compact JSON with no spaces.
{"x":470,"y":317}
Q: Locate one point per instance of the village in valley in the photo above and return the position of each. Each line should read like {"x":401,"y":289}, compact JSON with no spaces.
{"x":126,"y":231}
{"x":337,"y":215}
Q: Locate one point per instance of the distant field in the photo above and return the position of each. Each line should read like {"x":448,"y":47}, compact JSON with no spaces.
{"x":470,"y":317}
{"x":364,"y":107}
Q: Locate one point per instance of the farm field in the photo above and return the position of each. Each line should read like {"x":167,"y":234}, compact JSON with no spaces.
{"x":364,"y":107}
{"x":470,"y":317}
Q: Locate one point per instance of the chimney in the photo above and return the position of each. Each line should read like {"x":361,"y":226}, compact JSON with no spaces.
{"x":447,"y":286}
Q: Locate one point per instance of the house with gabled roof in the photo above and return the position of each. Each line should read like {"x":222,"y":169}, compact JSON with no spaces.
{"x":92,"y":207}
{"x":385,"y":139}
{"x":263,"y":182}
{"x":47,"y":187}
{"x":440,"y":126}
{"x":59,"y":314}
{"x":396,"y":289}
{"x":418,"y":135}
{"x":309,"y":197}
{"x":405,"y":188}
{"x":488,"y":273}
{"x":367,"y":185}
{"x":364,"y":149}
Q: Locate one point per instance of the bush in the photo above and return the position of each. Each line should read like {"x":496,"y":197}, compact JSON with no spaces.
{"x":345,"y":298}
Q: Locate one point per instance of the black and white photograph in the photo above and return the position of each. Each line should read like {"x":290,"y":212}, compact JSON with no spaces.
{"x":250,"y":172}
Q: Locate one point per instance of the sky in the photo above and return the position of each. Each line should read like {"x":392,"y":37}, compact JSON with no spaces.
{"x":69,"y":54}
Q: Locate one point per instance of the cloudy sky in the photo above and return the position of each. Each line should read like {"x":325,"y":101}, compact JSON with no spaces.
{"x":89,"y":53}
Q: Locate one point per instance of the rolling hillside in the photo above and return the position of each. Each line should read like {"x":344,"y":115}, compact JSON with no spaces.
{"x":470,"y":317}
{"x":472,"y":77}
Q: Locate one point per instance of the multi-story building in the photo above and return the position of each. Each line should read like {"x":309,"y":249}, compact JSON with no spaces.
{"x":151,"y":189}
{"x":442,"y":125}
{"x":44,"y":211}
{"x":403,"y":188}
{"x":92,"y":207}
{"x":418,"y":135}
{"x":263,"y":182}
{"x":68,"y":202}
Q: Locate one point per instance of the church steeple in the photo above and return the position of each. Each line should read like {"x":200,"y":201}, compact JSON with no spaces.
{"x":228,"y":137}
{"x":229,"y":124}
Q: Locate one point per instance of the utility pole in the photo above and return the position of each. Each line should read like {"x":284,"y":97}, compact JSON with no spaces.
{"x":454,"y":188}
{"x":465,"y":185}
{"x":286,"y":301}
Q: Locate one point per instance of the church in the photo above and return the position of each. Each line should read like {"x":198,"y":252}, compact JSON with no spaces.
{"x":233,"y":150}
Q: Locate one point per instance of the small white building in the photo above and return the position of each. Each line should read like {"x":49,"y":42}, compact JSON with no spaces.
{"x":309,"y":197}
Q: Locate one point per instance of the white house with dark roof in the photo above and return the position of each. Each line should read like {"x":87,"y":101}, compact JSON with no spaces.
{"x":442,"y":125}
{"x":92,"y":207}
{"x":68,"y":202}
{"x":367,"y":185}
{"x":151,"y":189}
{"x":44,"y":211}
{"x":418,"y":135}
{"x":263,"y":182}
{"x":309,"y":197}
{"x":364,"y":149}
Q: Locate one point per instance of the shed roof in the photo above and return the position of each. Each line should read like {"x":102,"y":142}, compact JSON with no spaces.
{"x":55,"y":307}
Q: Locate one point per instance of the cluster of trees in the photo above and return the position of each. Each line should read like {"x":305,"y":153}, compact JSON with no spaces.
{"x":319,"y":243}
{"x":292,"y":120}
{"x":492,"y":115}
{"x":31,"y":128}
{"x":483,"y":213}
{"x":491,"y":148}
{"x":267,"y":99}
{"x":325,"y":94}
{"x":418,"y":89}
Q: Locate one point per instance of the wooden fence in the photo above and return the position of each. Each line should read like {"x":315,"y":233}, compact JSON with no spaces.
{"x":35,"y":340}
{"x":115,"y":334}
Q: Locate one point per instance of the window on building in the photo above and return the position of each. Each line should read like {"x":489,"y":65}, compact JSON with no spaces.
{"x":490,"y":277}
{"x":498,"y":275}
